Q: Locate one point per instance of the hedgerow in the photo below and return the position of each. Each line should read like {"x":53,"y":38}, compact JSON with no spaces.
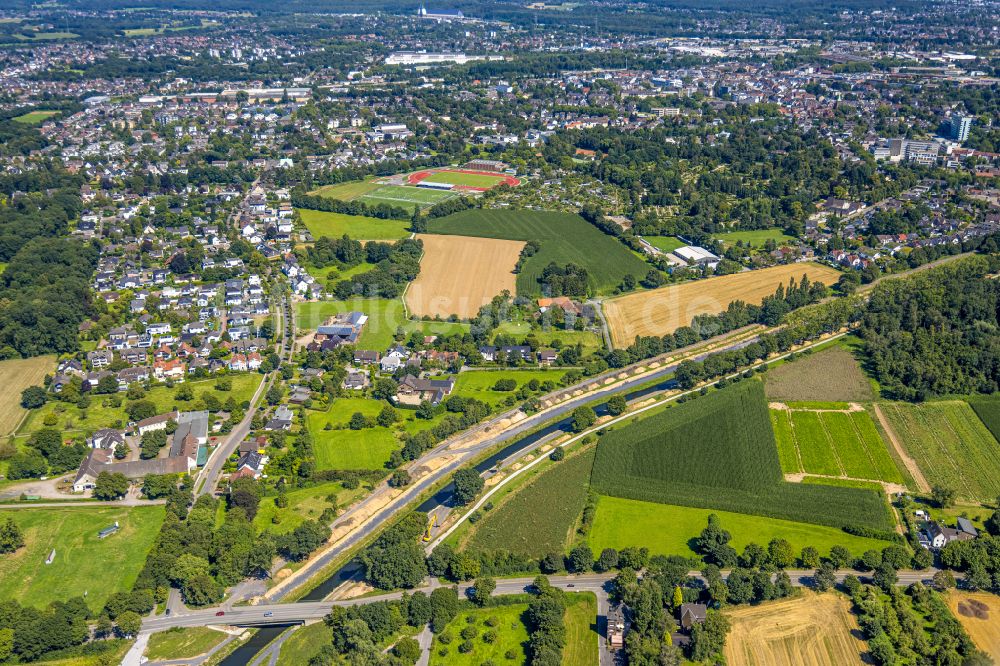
{"x":718,"y":452}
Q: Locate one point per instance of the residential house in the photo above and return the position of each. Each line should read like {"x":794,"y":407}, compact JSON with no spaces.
{"x":415,"y":390}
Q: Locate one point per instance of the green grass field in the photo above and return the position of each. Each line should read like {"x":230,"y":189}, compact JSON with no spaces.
{"x":346,"y":191}
{"x":34,"y":117}
{"x":951,"y":445}
{"x":512,"y":634}
{"x":101,"y":415}
{"x":591,"y":341}
{"x":83,"y":563}
{"x":406,"y":196}
{"x":670,"y":530}
{"x":539,"y":518}
{"x":664,"y":243}
{"x":178,"y":643}
{"x":479,"y":383}
{"x":467,"y":179}
{"x":303,"y":644}
{"x":581,"y":630}
{"x":303,"y":504}
{"x":384,"y":317}
{"x":565,"y":238}
{"x":334,"y":225}
{"x":350,"y":449}
{"x":756,"y":237}
{"x":719,"y":452}
{"x":988,"y":411}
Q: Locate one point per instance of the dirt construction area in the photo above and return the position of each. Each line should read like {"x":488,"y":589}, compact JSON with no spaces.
{"x":460,"y":274}
{"x":979,"y":613}
{"x":812,"y":630}
{"x":661,"y":311}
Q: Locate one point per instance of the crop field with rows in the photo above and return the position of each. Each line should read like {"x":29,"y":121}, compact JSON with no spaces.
{"x":676,"y":457}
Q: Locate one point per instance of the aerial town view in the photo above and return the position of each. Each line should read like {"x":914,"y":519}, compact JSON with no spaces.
{"x":500,"y":332}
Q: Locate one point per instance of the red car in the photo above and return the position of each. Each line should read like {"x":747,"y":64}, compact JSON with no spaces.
{"x":220,"y":613}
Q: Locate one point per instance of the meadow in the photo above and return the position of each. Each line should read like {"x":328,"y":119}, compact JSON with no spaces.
{"x":563,"y":237}
{"x":951,"y":446}
{"x":82,"y":561}
{"x":460,"y":274}
{"x":539,"y":518}
{"x":833,"y":443}
{"x":831,"y":374}
{"x":807,"y":630}
{"x":347,"y":191}
{"x":359,"y":227}
{"x":304,"y":643}
{"x":303,"y":504}
{"x":178,"y":643}
{"x":581,"y":630}
{"x":479,"y":383}
{"x":671,"y":530}
{"x":755,"y":237}
{"x":674,"y":457}
{"x":15,"y":376}
{"x":511,"y":631}
{"x":34,"y":117}
{"x":369,"y":448}
{"x":661,"y":311}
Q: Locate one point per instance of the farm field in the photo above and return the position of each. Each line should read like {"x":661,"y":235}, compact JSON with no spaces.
{"x":581,"y":630}
{"x":82,"y":561}
{"x":979,"y":614}
{"x":15,"y":376}
{"x":553,"y":500}
{"x":988,"y":411}
{"x":832,"y":374}
{"x":673,"y":458}
{"x":180,"y":643}
{"x":661,"y":311}
{"x":809,"y":630}
{"x":564,"y":238}
{"x":34,"y":117}
{"x":512,"y":634}
{"x":384,"y":317}
{"x":664,"y":243}
{"x":670,"y":530}
{"x":101,"y":414}
{"x":334,"y":225}
{"x":832,"y":443}
{"x":951,"y":446}
{"x":756,"y":237}
{"x":460,"y":274}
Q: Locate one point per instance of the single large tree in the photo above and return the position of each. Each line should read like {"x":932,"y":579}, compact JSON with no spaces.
{"x":11,"y":537}
{"x":468,"y":484}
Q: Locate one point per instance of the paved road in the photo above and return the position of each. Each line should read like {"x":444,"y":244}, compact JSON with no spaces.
{"x":208,"y":479}
{"x":305,"y":611}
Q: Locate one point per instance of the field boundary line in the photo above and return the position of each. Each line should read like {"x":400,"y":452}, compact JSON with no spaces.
{"x":904,"y":455}
{"x":580,"y":435}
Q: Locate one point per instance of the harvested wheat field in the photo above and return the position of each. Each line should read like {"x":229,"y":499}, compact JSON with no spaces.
{"x":15,"y":376}
{"x":979,"y":613}
{"x":460,"y":274}
{"x":811,"y":630}
{"x":661,"y":311}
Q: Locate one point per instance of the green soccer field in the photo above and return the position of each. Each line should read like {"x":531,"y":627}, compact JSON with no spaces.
{"x":347,"y":191}
{"x":406,"y":196}
{"x":467,"y":179}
